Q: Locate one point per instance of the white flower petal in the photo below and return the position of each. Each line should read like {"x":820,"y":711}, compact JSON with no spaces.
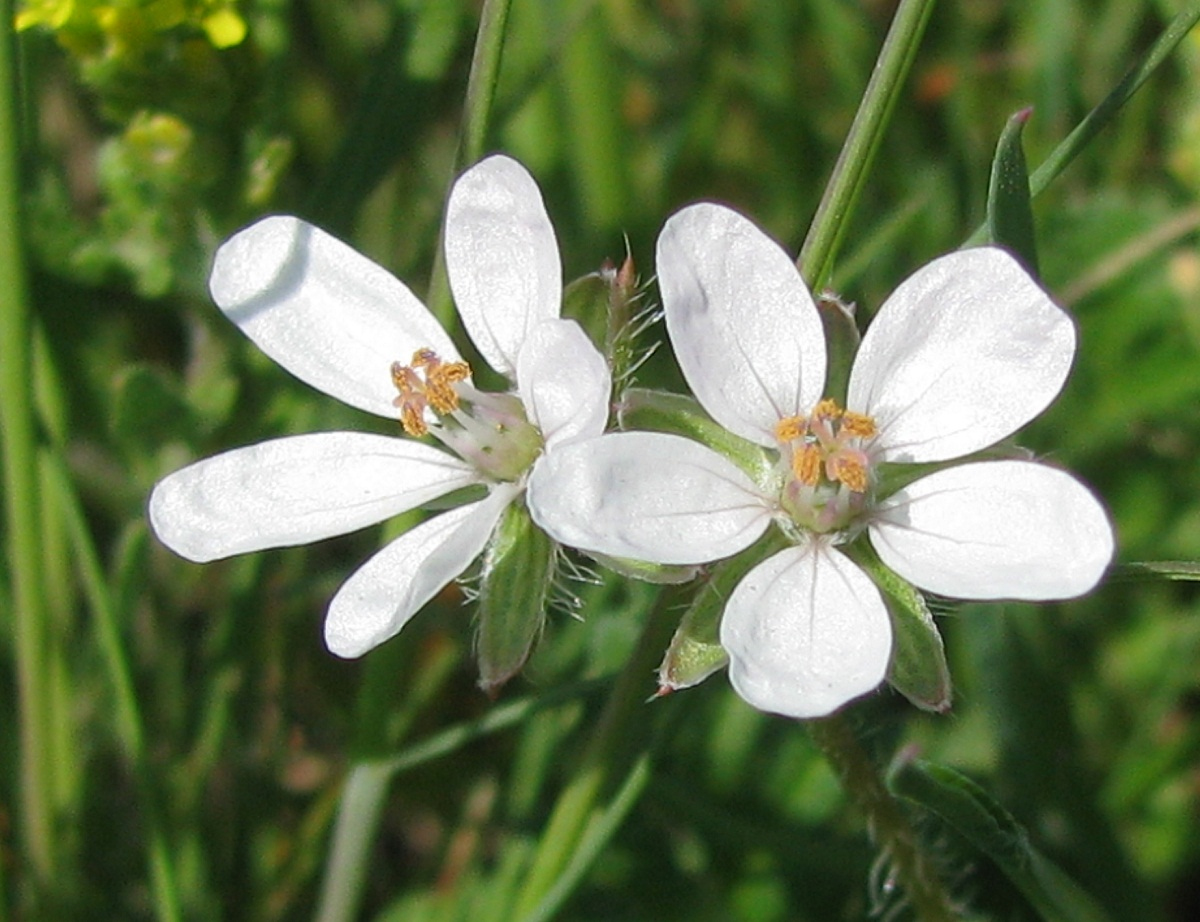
{"x":564,"y":382}
{"x":806,"y":631}
{"x":323,"y":311}
{"x":385,"y":592}
{"x":996,"y":530}
{"x":646,"y":496}
{"x":965,"y":352}
{"x":502,"y":258}
{"x":296,"y":490}
{"x":742,"y":323}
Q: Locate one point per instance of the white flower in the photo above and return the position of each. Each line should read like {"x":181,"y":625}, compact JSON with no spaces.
{"x":964,"y":353}
{"x":346,"y":326}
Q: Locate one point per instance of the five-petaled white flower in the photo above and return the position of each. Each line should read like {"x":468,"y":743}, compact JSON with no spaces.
{"x":964,"y":353}
{"x":347,"y":327}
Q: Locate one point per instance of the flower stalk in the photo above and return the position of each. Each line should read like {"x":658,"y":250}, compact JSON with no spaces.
{"x":609,"y":753}
{"x":862,"y":142}
{"x":29,"y":610}
{"x":910,"y":868}
{"x":477,"y":116}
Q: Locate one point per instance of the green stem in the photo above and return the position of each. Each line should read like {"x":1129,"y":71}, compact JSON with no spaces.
{"x":910,"y":868}
{"x":598,"y":835}
{"x":858,"y":152}
{"x":128,"y":716}
{"x":358,"y":818}
{"x":477,"y":113}
{"x":618,"y":737}
{"x":1106,"y":111}
{"x":30,"y":616}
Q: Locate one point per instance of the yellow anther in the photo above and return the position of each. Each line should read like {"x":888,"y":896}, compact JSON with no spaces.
{"x":848,"y":468}
{"x":405,"y":379}
{"x":806,"y":465}
{"x":439,"y":385}
{"x":412,"y":421}
{"x":434,"y":390}
{"x":858,"y":424}
{"x":789,"y":429}
{"x":827,"y":409}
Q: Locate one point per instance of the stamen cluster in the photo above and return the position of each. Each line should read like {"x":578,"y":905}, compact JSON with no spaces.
{"x":434,"y":391}
{"x":830,"y":472}
{"x":489,"y":430}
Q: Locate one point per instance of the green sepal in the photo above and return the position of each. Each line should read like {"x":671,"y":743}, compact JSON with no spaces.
{"x":841,"y":344}
{"x":695,"y":651}
{"x":918,"y":668}
{"x":660,"y":573}
{"x":660,"y":411}
{"x":1009,"y":213}
{"x":605,"y":305}
{"x":989,"y":827}
{"x":518,"y":569}
{"x":585,"y":300}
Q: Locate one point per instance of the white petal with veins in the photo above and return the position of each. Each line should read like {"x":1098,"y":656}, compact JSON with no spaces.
{"x":564,"y":382}
{"x":966,"y":351}
{"x":996,"y":530}
{"x":323,"y":311}
{"x":384,"y":593}
{"x":743,"y":326}
{"x":806,"y":631}
{"x":646,"y":496}
{"x":502,"y":258}
{"x":295,"y":490}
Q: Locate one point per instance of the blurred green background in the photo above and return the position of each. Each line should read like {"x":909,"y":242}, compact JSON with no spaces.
{"x":149,"y":132}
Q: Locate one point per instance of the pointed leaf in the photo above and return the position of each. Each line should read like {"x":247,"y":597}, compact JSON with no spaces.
{"x":1009,"y":214}
{"x":990,"y":828}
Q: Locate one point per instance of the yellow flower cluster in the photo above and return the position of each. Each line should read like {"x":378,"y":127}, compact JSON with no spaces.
{"x":119,"y":28}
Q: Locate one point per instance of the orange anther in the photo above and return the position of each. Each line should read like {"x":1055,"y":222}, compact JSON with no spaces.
{"x":858,"y":424}
{"x":806,"y":465}
{"x":789,"y":429}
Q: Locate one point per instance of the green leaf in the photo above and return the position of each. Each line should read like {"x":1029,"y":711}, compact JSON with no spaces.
{"x":990,"y":828}
{"x":1009,"y":215}
{"x":918,"y":669}
{"x":518,"y":568}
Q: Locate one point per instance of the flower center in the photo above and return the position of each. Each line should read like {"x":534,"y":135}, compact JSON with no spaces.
{"x":489,"y":430}
{"x":830,"y":472}
{"x":434,"y":390}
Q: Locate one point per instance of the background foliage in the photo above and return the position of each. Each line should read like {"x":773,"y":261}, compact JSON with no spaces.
{"x":150,"y":132}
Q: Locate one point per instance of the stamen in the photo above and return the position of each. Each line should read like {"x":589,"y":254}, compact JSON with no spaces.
{"x":435,"y":391}
{"x":827,"y":409}
{"x":412,"y":421}
{"x":790,"y":428}
{"x":849,"y":468}
{"x":806,"y":465}
{"x":858,"y":424}
{"x":439,"y":384}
